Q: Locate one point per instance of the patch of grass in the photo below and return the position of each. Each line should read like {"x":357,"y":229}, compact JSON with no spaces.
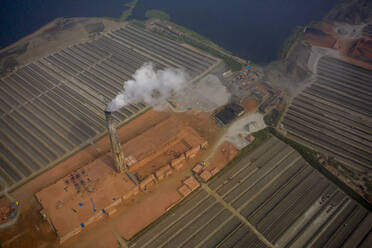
{"x":94,"y":27}
{"x":230,"y":61}
{"x":272,"y":119}
{"x":139,"y":23}
{"x":194,"y":35}
{"x":157,"y":14}
{"x":127,"y":13}
{"x":290,"y":41}
{"x":203,"y":43}
{"x":368,"y":184}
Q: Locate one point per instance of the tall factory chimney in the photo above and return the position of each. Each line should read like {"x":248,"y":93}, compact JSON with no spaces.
{"x":117,"y":153}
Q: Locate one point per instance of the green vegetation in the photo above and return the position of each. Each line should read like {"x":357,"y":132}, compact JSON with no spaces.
{"x":127,"y":13}
{"x":309,"y":155}
{"x":272,"y":119}
{"x":139,"y":23}
{"x":194,"y":35}
{"x":157,"y":14}
{"x":368,"y":184}
{"x":201,"y":42}
{"x":92,"y":28}
{"x":229,"y":60}
{"x":296,"y":35}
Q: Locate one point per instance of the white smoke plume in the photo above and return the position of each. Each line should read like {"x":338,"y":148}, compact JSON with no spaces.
{"x":150,"y":87}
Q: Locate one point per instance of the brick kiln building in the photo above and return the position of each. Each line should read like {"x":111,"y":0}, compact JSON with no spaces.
{"x":85,"y":195}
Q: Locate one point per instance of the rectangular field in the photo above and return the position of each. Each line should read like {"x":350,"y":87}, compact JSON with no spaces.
{"x":272,"y":197}
{"x":334,"y":114}
{"x":54,"y":105}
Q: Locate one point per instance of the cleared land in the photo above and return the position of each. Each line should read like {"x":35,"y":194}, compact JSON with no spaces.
{"x":334,"y":115}
{"x":54,"y":106}
{"x":272,"y":197}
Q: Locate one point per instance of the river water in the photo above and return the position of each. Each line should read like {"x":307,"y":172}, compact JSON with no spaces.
{"x":19,"y":18}
{"x":252,"y":29}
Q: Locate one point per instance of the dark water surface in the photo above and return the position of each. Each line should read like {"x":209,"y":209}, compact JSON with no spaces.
{"x":19,"y":18}
{"x":252,"y":29}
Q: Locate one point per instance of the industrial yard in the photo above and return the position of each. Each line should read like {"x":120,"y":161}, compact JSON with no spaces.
{"x":271,"y":198}
{"x":54,"y":105}
{"x":232,"y":154}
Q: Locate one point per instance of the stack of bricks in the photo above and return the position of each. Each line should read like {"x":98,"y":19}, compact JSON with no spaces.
{"x":197,"y":169}
{"x":179,"y":162}
{"x":184,"y":190}
{"x":164,"y":172}
{"x":189,"y":185}
{"x":192,"y":152}
{"x":192,"y":183}
{"x":130,"y":161}
{"x":204,"y":145}
{"x":148,"y":182}
{"x":203,"y":173}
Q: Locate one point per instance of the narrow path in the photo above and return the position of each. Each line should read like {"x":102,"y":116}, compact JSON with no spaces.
{"x":237,"y":214}
{"x":123,"y":243}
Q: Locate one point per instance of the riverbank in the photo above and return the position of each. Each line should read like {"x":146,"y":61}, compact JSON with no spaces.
{"x":56,"y":35}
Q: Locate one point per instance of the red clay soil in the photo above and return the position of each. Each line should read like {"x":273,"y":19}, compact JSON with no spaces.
{"x":35,"y":232}
{"x":31,"y":220}
{"x":25,"y":194}
{"x":224,"y":154}
{"x":362,"y":49}
{"x":354,"y":52}
{"x":134,"y":216}
{"x":321,"y":40}
{"x":323,"y":35}
{"x":5,"y":210}
{"x":249,"y":105}
{"x":159,"y":145}
{"x":83,"y":194}
{"x":81,"y":197}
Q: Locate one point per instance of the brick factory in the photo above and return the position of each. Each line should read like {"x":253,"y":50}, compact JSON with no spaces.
{"x":85,"y":195}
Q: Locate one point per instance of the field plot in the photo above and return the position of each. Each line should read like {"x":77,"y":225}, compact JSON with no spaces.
{"x":334,"y":115}
{"x":54,"y":105}
{"x":272,"y":197}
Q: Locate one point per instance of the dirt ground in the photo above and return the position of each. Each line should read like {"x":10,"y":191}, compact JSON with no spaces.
{"x":32,"y":231}
{"x":241,"y":128}
{"x":223,"y":155}
{"x":135,"y":215}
